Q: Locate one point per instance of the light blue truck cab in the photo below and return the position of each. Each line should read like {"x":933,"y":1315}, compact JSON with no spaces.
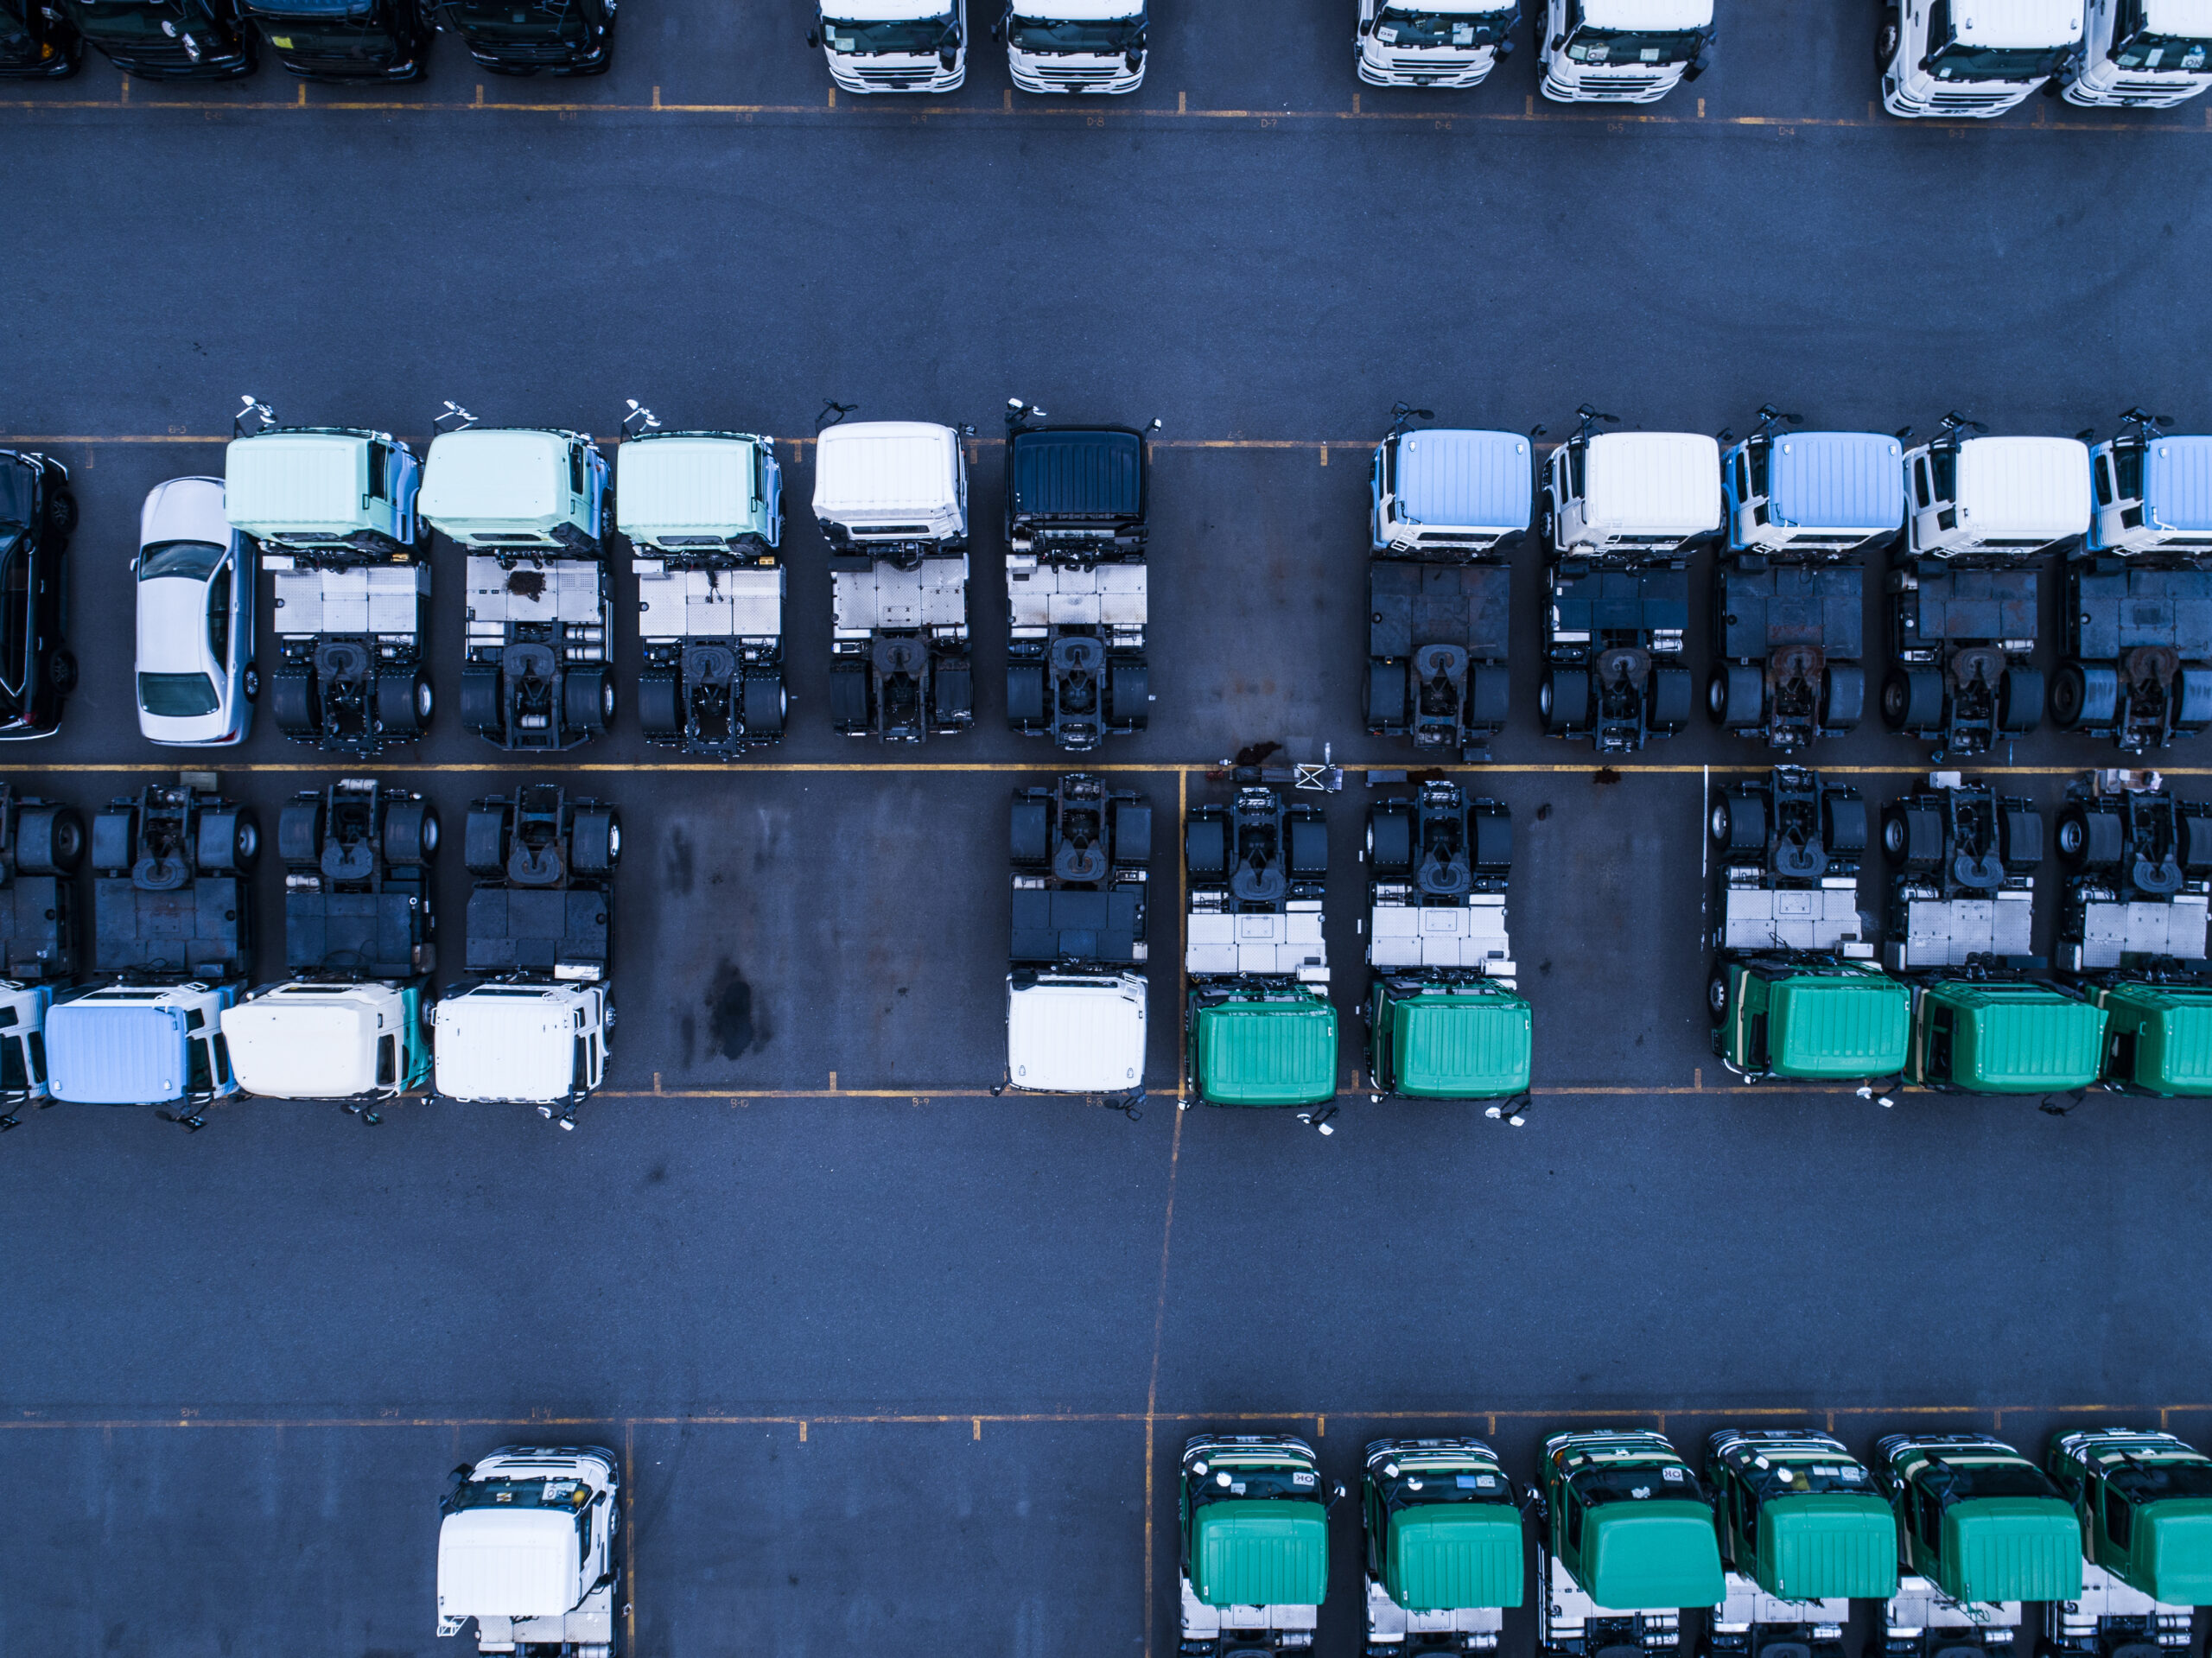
{"x":2138,"y":668}
{"x":1802,"y":509}
{"x":1448,"y":490}
{"x":143,"y":1044}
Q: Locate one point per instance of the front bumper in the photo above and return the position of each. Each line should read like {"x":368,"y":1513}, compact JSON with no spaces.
{"x":922,"y":78}
{"x":1381,"y":68}
{"x":1039,"y":76}
{"x":1954,"y":105}
{"x":1611,"y":89}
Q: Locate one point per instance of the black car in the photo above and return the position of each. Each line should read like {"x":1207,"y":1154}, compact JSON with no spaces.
{"x":167,"y":40}
{"x":345,"y":40}
{"x":37,"y":513}
{"x":520,"y":37}
{"x":36,"y":41}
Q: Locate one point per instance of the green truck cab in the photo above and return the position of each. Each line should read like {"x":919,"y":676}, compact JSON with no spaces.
{"x":1628,"y":1540}
{"x":2158,"y":1036}
{"x":2143,"y":1502}
{"x":1809,"y":1017}
{"x":1994,"y":1032}
{"x":1469,"y":1039}
{"x":1254,"y":1516}
{"x":1980,"y":1529}
{"x":1444,"y":1547}
{"x":1803,"y":1532}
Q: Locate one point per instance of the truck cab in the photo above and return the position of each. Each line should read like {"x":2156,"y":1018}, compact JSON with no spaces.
{"x":1794,"y":993}
{"x":1447,"y":507}
{"x":2144,"y":1500}
{"x":1257,"y":1018}
{"x":1977,"y":58}
{"x":166,"y":39}
{"x":1450,"y":43}
{"x":2139,"y":594}
{"x":334,"y":510}
{"x":1444,"y":1547}
{"x":1979,"y":1530}
{"x":1803,"y":509}
{"x":2141,"y":55}
{"x":890,"y":498}
{"x":704,"y":515}
{"x":1627,"y":1542}
{"x":352,"y":40}
{"x":1075,"y":1019}
{"x":1622,"y":51}
{"x":565,"y":37}
{"x":1446,"y":1020}
{"x":1075,"y":46}
{"x":530,"y":508}
{"x":158,"y":1045}
{"x":893,"y":45}
{"x":529,"y":1546}
{"x":1803,"y":1532}
{"x":1965,"y":584}
{"x":362,"y":1044}
{"x":1254,"y":1559}
{"x":1618,"y":514}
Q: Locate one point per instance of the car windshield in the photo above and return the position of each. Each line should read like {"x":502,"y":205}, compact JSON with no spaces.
{"x":2163,"y":52}
{"x":176,"y":697}
{"x":1597,"y":1486}
{"x":17,"y":493}
{"x":1416,"y":1486}
{"x":1219,"y":1485}
{"x":1409,"y":26}
{"x":1962,"y":1482}
{"x":1613,"y":47}
{"x":195,"y":559}
{"x":567,"y":1494}
{"x":1103,"y":35}
{"x":914,"y":36}
{"x":1959,"y":61}
{"x":2149,"y":1481}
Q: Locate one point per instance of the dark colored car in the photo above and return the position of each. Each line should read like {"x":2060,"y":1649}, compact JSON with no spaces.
{"x":167,"y":40}
{"x":37,"y":513}
{"x":36,"y":41}
{"x":345,"y":40}
{"x":520,"y":37}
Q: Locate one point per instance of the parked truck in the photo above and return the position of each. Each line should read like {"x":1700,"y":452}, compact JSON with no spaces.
{"x":529,"y":1546}
{"x":531,"y":1024}
{"x":893,"y":45}
{"x":1618,"y":514}
{"x":1803,"y":1532}
{"x":1075,"y":503}
{"x":2137,"y":633}
{"x":1452,"y":43}
{"x":531,"y":508}
{"x":2140,"y":54}
{"x":351,"y":1024}
{"x":1627,"y":1542}
{"x":1979,"y":1530}
{"x":2143,"y":1502}
{"x":1448,"y":508}
{"x":1254,"y":1558}
{"x":41,"y":842}
{"x":1794,"y":992}
{"x":1788,"y":589}
{"x":1444,"y":1547}
{"x":890,"y":498}
{"x":1446,"y":1018}
{"x":333,"y":509}
{"x":172,"y":947}
{"x":1258,"y":1022}
{"x":1622,"y":51}
{"x":1965,"y":582}
{"x":1075,"y":990}
{"x":1949,"y":59}
{"x":704,"y":515}
{"x":1075,"y":46}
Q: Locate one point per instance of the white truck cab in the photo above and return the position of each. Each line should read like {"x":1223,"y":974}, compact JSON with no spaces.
{"x":352,"y":1042}
{"x":1631,"y":495}
{"x":2142,"y":54}
{"x":23,"y":1048}
{"x":1622,"y":51}
{"x":515,"y":488}
{"x":1074,"y":1033}
{"x":890,"y":481}
{"x":541,"y":1045}
{"x":530,"y":1547}
{"x":893,"y":45}
{"x":1432,"y":42}
{"x":2011,"y":495}
{"x":1075,"y":46}
{"x":1976,"y":58}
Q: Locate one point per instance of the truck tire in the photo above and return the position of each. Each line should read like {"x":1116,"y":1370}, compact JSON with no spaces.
{"x":1843,"y":695}
{"x":228,"y":842}
{"x":1563,"y":700}
{"x":1389,"y":841}
{"x":2089,"y":837}
{"x":587,"y":700}
{"x":1029,"y":830}
{"x":2082,"y":694}
{"x":1671,"y":698}
{"x":1912,"y":700}
{"x":1490,"y":697}
{"x":115,"y":835}
{"x":1843,"y":823}
{"x":1205,"y":848}
{"x":952,"y":692}
{"x":410,"y":833}
{"x":766,"y":704}
{"x":1492,"y":834}
{"x":2019,"y":838}
{"x":2196,"y":848}
{"x":403,"y":703}
{"x":1716,"y":997}
{"x":292,"y":701}
{"x":1913,"y":835}
{"x":2019,"y":700}
{"x":1736,"y":696}
{"x":1132,"y":835}
{"x":1309,"y":848}
{"x":1128,"y":693}
{"x":2193,"y":698}
{"x":299,"y":832}
{"x":49,"y":840}
{"x":1386,"y":696}
{"x":660,"y":708}
{"x":849,"y":701}
{"x":1025,"y":692}
{"x":595,"y":842}
{"x":484,"y":840}
{"x":1738,"y":823}
{"x":479,"y":700}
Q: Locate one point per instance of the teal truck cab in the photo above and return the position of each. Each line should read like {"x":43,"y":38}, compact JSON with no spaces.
{"x":1628,"y":1540}
{"x":1255,"y":1563}
{"x":1803,"y":1532}
{"x":2144,"y":1504}
{"x":1444,"y":1547}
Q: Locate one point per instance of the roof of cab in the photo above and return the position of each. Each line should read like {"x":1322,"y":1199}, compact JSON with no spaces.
{"x":493,"y":1044}
{"x":1828,"y":1546}
{"x":1075,"y":1036}
{"x":1836,"y":480}
{"x":2173,"y":1553}
{"x":2177,"y":471}
{"x":685,"y":482}
{"x":1464,"y":480}
{"x":1649,"y":15}
{"x":1448,"y":1047}
{"x":488,"y":472}
{"x":1659,"y":483}
{"x":2011,"y":1548}
{"x":1279,"y":1052}
{"x":2024,"y":488}
{"x":885,"y":466}
{"x":2019,"y":22}
{"x":101,"y":1052}
{"x":1655,"y":1554}
{"x":1272,"y":1551}
{"x":2191,"y":18}
{"x":508,"y":1563}
{"x":1846,"y":1024}
{"x":315,"y":1046}
{"x":1090,"y":475}
{"x":2022,"y":1039}
{"x":296,"y":483}
{"x":2173,"y":1035}
{"x":1443,"y":1556}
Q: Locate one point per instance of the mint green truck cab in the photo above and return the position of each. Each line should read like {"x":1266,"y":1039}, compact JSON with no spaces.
{"x":1444,"y":1548}
{"x":1809,"y":1017}
{"x":1803,"y":1532}
{"x":2158,"y":1036}
{"x":1628,"y":1540}
{"x":1254,"y":1515}
{"x":1994,"y":1033}
{"x":1980,"y":1529}
{"x":2144,"y":1500}
{"x":1461,"y":1038}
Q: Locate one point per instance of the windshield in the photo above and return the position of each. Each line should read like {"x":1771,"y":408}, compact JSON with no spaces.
{"x":1952,"y":1481}
{"x":1616,"y":46}
{"x":914,"y":36}
{"x":2148,"y":1482}
{"x":2163,"y":51}
{"x":1103,"y":35}
{"x":176,"y":697}
{"x":196,"y":559}
{"x":331,"y":10}
{"x":135,"y":20}
{"x":1805,"y":1479}
{"x":17,"y":493}
{"x":1409,"y":26}
{"x":518,"y":20}
{"x":568,"y":1494}
{"x":1598,"y":1486}
{"x":1416,"y":1486}
{"x":1253,"y":1480}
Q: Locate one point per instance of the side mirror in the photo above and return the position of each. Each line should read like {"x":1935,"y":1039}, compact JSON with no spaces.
{"x":599,"y":1501}
{"x":1336,"y":1494}
{"x":813,"y":39}
{"x":1698,"y":65}
{"x":1558,"y":41}
{"x":1505,"y":49}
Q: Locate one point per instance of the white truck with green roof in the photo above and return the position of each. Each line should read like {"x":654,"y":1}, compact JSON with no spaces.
{"x":1627,"y":1542}
{"x":2144,"y":1500}
{"x":1803,"y":1532}
{"x":1445,"y":1546}
{"x":335,"y":510}
{"x":532,"y":507}
{"x":1253,"y":1523}
{"x":1446,"y":1020}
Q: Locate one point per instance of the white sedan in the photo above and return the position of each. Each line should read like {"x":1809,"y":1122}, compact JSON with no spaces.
{"x":196,"y":677}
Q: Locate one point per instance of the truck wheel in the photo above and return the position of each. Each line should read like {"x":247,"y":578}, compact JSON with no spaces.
{"x":1843,"y":695}
{"x":659,"y":707}
{"x":61,"y":672}
{"x":115,"y":839}
{"x":299,"y":832}
{"x":49,"y":840}
{"x":1309,"y":848}
{"x":1389,"y":842}
{"x":1716,"y":997}
{"x":484,"y":840}
{"x":60,"y":512}
{"x":2196,"y":848}
{"x":1025,"y":692}
{"x":1738,"y":824}
{"x":1843,"y":823}
{"x":479,"y":700}
{"x":766,"y":704}
{"x":291,"y":701}
{"x":1128,"y":693}
{"x":2083,"y":696}
{"x":2019,"y":700}
{"x":2089,"y":837}
{"x":1913,"y":835}
{"x":587,"y":700}
{"x":1205,"y":848}
{"x":229,"y":841}
{"x":1671,"y":697}
{"x":403,"y":703}
{"x":1029,"y":831}
{"x":1490,"y":696}
{"x":595,"y":846}
{"x":2019,"y":838}
{"x":2193,"y":698}
{"x":1736,"y":696}
{"x":1912,"y":700}
{"x":410,"y":833}
{"x":1563,"y":700}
